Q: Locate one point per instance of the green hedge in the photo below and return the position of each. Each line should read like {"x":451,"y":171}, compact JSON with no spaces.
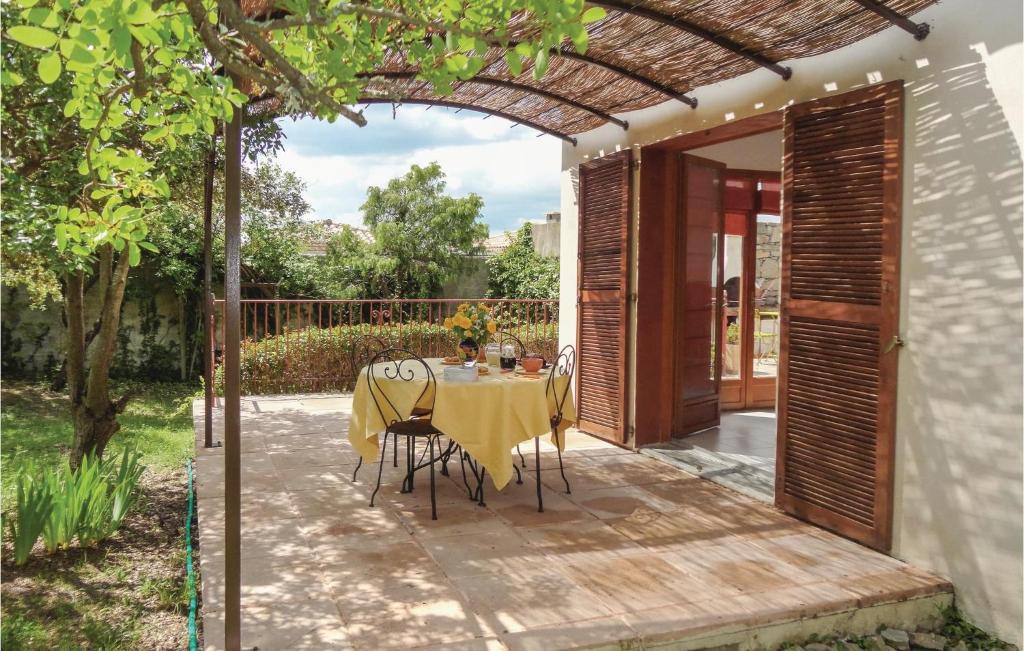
{"x":314,"y":360}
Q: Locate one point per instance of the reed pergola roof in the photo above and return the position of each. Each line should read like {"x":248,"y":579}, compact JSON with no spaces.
{"x":645,"y":52}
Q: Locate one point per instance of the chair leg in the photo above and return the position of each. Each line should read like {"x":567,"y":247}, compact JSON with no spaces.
{"x":395,"y":452}
{"x":536,"y":458}
{"x":444,"y":458}
{"x":462,"y":462}
{"x":561,"y":468}
{"x":519,"y":475}
{"x":360,"y":464}
{"x":480,"y":487}
{"x":433,"y":498}
{"x":522,"y":459}
{"x":380,"y":467}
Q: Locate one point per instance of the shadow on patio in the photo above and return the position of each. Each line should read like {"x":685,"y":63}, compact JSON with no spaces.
{"x":640,"y":554}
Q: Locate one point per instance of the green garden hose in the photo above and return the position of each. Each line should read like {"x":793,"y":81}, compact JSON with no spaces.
{"x":193,"y":640}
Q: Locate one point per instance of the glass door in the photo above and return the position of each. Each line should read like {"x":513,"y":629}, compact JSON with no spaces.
{"x":698,"y":313}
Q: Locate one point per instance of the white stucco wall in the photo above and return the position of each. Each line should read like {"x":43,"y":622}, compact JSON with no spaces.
{"x":959,"y":427}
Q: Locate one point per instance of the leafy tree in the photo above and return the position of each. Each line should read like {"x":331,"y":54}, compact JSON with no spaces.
{"x":140,"y":88}
{"x":520,"y":272}
{"x":421,"y":237}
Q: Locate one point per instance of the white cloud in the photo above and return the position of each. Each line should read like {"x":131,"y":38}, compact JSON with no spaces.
{"x":511,"y":169}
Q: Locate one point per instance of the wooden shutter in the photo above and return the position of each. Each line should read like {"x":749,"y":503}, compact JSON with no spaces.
{"x":603,"y":277}
{"x":840,"y":311}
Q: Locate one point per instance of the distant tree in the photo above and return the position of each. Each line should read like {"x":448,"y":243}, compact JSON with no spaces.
{"x":421,"y":237}
{"x":520,"y":272}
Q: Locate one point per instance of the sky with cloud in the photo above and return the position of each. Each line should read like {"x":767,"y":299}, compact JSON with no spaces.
{"x":515,"y":172}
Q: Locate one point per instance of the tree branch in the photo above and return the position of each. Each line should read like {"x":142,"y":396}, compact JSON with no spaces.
{"x":293,"y":76}
{"x":366,"y":10}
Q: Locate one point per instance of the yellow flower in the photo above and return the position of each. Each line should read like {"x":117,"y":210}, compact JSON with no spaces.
{"x":463,"y":307}
{"x":492,"y":327}
{"x":448,"y":323}
{"x":461,"y":321}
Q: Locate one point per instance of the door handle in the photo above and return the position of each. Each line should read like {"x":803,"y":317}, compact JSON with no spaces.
{"x":893,"y":343}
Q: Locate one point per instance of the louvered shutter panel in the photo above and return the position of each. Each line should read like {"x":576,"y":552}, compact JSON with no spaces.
{"x":840,"y":311}
{"x":603,"y":276}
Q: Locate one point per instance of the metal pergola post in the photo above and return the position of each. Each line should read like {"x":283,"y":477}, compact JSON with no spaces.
{"x":232,"y":395}
{"x":208,"y":341}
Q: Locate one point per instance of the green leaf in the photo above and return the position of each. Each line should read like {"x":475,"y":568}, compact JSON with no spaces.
{"x":32,"y":36}
{"x":134,"y":254}
{"x":514,"y":63}
{"x":540,"y":66}
{"x":49,"y":68}
{"x":62,"y":236}
{"x":149,"y":246}
{"x":593,"y":14}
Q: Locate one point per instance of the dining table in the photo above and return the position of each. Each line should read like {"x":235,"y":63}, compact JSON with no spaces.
{"x":488,"y":416}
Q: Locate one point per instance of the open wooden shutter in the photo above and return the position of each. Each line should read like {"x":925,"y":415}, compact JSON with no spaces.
{"x":840,"y":311}
{"x":602,"y":311}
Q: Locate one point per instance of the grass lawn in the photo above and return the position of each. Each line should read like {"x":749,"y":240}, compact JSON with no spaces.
{"x":128,"y":592}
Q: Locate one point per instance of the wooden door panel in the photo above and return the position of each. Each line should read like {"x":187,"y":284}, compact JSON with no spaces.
{"x":603,"y":284}
{"x":698,"y":323}
{"x":840,"y":310}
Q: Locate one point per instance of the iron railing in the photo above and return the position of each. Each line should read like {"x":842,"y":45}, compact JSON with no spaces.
{"x":298,"y":346}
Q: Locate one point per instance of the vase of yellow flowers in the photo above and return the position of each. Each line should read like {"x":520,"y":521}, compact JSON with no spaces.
{"x":473,"y":325}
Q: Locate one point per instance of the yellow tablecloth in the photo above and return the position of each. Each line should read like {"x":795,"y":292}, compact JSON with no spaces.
{"x":487,"y":418}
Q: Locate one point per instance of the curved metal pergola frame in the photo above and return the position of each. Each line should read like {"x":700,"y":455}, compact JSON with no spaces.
{"x":465,"y":106}
{"x":518,"y":86}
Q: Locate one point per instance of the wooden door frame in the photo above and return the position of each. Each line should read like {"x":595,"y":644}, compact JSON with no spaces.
{"x":747,"y":382}
{"x":656,"y":288}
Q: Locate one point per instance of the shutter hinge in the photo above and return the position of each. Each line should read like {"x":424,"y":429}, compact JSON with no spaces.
{"x":894,"y":343}
{"x":635,"y":164}
{"x":631,"y":297}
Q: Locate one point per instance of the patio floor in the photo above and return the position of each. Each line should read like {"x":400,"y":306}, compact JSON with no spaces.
{"x":641,"y":555}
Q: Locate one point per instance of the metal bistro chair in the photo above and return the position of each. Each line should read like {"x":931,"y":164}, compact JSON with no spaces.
{"x":398,"y":365}
{"x":562,"y":367}
{"x":364,"y":348}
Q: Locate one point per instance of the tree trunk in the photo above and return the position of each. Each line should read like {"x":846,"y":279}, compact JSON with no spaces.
{"x":88,"y":362}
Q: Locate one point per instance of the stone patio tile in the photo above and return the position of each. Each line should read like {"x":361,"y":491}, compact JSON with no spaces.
{"x":316,"y":440}
{"x":254,"y":508}
{"x":316,"y":477}
{"x":635,"y":582}
{"x":746,"y":574}
{"x":330,"y":548}
{"x":557,"y":509}
{"x":322,"y":404}
{"x":619,"y":502}
{"x":461,"y":518}
{"x":310,"y":457}
{"x":483,"y":553}
{"x":591,"y":476}
{"x":448,"y":490}
{"x":611,"y":633}
{"x":896,"y":585}
{"x":298,"y":625}
{"x":536,"y":597}
{"x":478,"y":644}
{"x":264,"y":541}
{"x":351,"y":521}
{"x":397,"y":559}
{"x":667,"y":531}
{"x":330,"y":500}
{"x":262,"y":582}
{"x":817,"y":557}
{"x":670,"y":623}
{"x":578,"y":541}
{"x":419,"y":610}
{"x":736,"y":548}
